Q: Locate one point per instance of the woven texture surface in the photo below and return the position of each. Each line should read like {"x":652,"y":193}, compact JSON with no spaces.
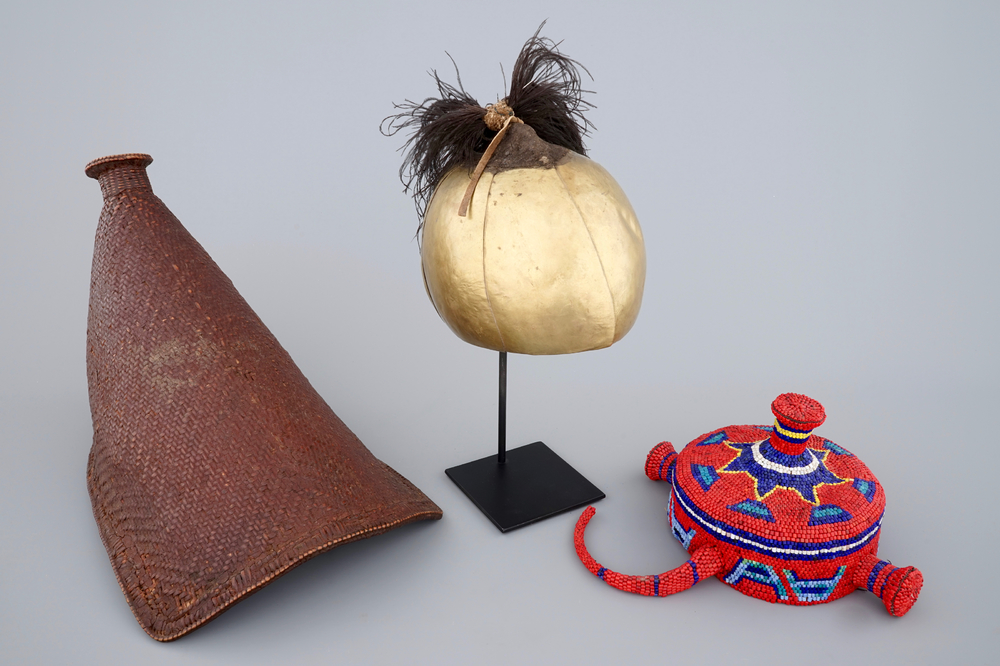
{"x":215,"y":466}
{"x":777,"y":512}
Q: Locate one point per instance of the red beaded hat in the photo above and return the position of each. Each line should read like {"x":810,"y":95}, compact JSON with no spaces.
{"x":775,"y":511}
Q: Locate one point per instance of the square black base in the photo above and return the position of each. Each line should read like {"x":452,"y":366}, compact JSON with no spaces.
{"x":532,"y":485}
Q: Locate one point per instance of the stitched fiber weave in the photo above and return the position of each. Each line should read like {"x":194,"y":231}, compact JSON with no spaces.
{"x":215,"y":466}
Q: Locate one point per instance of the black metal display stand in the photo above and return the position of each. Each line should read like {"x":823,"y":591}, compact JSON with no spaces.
{"x":524,"y":485}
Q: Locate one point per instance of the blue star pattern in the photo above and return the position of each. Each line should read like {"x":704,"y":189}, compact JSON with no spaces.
{"x":771,"y":469}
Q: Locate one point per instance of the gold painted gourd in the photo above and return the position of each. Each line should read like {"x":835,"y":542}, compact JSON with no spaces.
{"x":549,"y":258}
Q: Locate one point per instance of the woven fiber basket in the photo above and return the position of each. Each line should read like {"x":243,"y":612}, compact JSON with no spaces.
{"x":215,"y":466}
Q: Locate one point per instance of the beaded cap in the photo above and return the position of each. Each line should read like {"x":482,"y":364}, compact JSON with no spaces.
{"x":777,"y":512}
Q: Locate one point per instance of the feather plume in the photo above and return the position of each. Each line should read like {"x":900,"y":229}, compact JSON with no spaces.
{"x":546,"y":93}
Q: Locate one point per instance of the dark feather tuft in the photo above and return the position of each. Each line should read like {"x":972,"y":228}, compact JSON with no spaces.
{"x":546,"y":93}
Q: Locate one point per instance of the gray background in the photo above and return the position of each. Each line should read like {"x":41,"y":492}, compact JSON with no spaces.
{"x":818,"y":188}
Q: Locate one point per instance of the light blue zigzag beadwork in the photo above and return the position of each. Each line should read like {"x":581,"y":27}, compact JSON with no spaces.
{"x":807,"y":590}
{"x":759,"y":573}
{"x":682,"y":535}
{"x":813,"y":589}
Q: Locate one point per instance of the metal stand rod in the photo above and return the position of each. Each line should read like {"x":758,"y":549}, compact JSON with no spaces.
{"x":502,"y":425}
{"x":533,"y":484}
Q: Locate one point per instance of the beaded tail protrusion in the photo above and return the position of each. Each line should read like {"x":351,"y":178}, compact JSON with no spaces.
{"x":897,"y":587}
{"x":704,"y":562}
{"x":660,"y":462}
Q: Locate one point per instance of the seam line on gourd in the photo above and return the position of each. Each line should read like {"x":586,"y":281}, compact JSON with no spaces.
{"x":611,"y":295}
{"x":486,"y":286}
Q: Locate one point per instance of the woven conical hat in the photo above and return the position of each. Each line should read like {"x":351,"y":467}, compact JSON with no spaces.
{"x":215,"y":467}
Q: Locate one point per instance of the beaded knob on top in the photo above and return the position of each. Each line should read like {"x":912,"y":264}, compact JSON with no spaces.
{"x":795,"y":417}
